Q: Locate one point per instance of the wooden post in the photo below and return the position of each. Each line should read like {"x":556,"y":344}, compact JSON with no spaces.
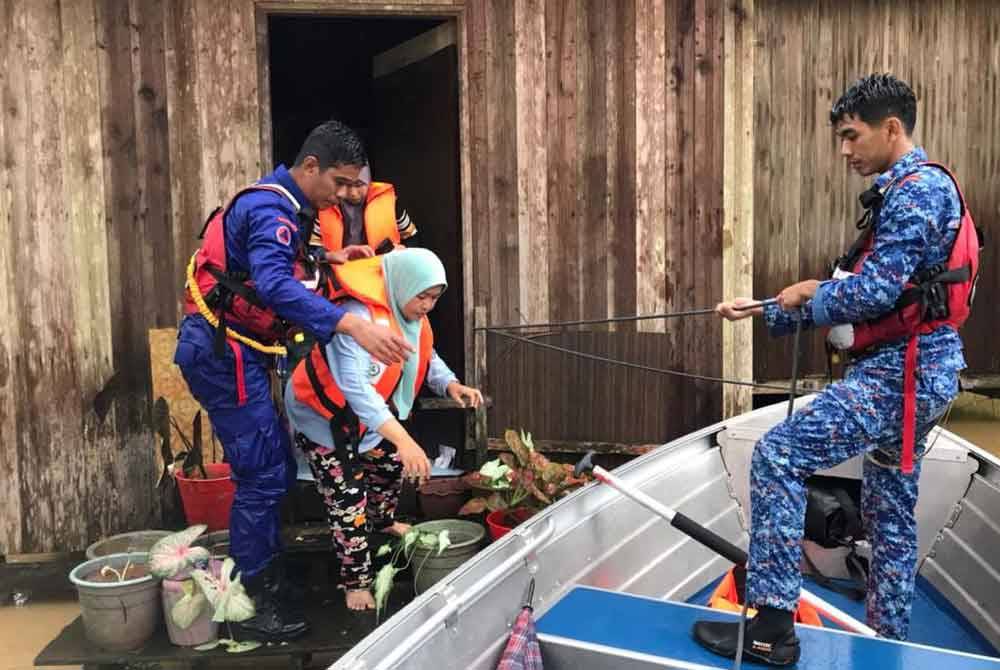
{"x":476,"y":433}
{"x":737,"y":196}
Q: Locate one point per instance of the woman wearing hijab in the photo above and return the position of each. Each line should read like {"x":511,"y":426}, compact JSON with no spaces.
{"x":346,"y":407}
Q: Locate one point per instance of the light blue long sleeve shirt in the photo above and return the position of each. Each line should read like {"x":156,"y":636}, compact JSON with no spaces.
{"x":355,"y":372}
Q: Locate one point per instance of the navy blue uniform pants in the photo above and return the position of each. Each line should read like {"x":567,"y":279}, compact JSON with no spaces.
{"x":235,"y":391}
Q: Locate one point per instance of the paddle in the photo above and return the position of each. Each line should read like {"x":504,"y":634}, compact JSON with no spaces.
{"x":706,"y":537}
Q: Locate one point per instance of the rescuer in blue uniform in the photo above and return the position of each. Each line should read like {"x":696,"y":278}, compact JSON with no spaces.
{"x":915,"y":229}
{"x":231,"y":378}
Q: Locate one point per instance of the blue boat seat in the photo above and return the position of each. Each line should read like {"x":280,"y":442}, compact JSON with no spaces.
{"x":595,"y":628}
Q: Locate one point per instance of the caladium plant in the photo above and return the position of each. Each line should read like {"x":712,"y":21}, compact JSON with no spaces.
{"x":386,"y":576}
{"x":189,"y":607}
{"x":225,"y":593}
{"x":173,"y":556}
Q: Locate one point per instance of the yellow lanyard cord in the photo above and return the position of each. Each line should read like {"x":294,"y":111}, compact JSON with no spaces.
{"x":203,"y":309}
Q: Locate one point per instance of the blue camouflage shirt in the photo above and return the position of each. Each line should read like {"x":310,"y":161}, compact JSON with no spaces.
{"x":262,"y":238}
{"x":916,"y":228}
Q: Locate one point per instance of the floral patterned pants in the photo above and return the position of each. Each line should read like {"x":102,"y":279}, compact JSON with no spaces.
{"x":355,"y":508}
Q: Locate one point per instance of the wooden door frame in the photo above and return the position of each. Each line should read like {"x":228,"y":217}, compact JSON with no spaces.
{"x":370,"y":9}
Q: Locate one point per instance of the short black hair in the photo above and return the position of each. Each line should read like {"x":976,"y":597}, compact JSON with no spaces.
{"x":875,"y":98}
{"x":333,"y":143}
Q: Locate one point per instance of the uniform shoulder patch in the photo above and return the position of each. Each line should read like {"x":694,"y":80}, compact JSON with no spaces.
{"x":284,"y":235}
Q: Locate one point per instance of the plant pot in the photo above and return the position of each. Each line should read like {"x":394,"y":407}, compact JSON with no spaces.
{"x":429,"y":567}
{"x":117,"y":616}
{"x":442,"y":497}
{"x":216,"y":542}
{"x":208,"y":501}
{"x":202,"y":629}
{"x":501,"y":521}
{"x":136,"y":542}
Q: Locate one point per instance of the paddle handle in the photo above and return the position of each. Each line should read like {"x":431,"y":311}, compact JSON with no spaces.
{"x":704,"y":536}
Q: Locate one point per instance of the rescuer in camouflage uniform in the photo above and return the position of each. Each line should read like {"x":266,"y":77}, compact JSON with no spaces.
{"x":863,"y":413}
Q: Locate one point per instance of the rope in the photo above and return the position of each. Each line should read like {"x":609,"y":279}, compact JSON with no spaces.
{"x":637,"y":366}
{"x":199,"y":301}
{"x":621,"y":319}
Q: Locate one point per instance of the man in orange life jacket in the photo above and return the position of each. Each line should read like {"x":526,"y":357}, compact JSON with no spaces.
{"x":368,"y":214}
{"x":916,"y":264}
{"x":243,"y":279}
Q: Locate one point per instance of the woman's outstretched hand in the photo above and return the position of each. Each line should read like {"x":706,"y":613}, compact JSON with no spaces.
{"x":465,"y":395}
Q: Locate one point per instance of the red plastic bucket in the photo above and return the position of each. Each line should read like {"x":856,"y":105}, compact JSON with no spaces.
{"x":208,"y":501}
{"x":498,"y":520}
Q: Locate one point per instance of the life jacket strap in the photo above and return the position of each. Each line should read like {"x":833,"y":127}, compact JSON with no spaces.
{"x":345,"y":429}
{"x":910,"y":404}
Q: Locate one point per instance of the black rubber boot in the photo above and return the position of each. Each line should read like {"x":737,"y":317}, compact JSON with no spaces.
{"x":289,"y":594}
{"x":273,"y":621}
{"x":769,"y":637}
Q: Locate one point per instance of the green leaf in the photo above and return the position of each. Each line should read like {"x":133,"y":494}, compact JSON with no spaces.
{"x":408,"y":540}
{"x":383,"y":586}
{"x":428,"y":540}
{"x":209,"y":646}
{"x":496,"y":474}
{"x":241,"y":647}
{"x":227,"y":597}
{"x":234,"y":604}
{"x":187,"y":609}
{"x":443,"y":541}
{"x":384,"y":549}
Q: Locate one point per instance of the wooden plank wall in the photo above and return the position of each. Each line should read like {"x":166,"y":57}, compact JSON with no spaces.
{"x":70,"y":471}
{"x":806,"y":202}
{"x":599,"y":194}
{"x":738,"y":199}
{"x":113,"y":148}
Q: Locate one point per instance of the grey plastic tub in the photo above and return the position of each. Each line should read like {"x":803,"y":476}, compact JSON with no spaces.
{"x":117,"y":616}
{"x":136,"y":541}
{"x":429,"y":568}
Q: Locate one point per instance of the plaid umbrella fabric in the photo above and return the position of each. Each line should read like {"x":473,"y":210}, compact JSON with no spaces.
{"x":522,"y":651}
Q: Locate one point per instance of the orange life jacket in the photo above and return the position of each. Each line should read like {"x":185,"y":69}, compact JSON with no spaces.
{"x":313,"y":383}
{"x":727,"y":597}
{"x":381,"y":232}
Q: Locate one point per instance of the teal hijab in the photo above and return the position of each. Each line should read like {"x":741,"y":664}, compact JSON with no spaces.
{"x":408,"y":273}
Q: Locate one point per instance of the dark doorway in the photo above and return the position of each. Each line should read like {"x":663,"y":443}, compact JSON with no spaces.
{"x":395,"y":80}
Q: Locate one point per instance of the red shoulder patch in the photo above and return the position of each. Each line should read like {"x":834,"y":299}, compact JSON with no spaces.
{"x":283,"y":234}
{"x":288,"y":223}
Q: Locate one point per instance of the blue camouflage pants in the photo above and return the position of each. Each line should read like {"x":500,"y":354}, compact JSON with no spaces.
{"x":235,"y":390}
{"x":862,"y":413}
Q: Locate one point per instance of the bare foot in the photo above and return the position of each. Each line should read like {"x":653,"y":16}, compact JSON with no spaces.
{"x":360,"y":599}
{"x":398,"y":528}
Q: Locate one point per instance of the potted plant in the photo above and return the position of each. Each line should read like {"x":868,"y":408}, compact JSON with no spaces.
{"x":442,"y":497}
{"x":518,"y":484}
{"x":206,"y":489}
{"x":229,"y":602}
{"x":435,"y":548}
{"x":185,"y":608}
{"x":118,"y":600}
